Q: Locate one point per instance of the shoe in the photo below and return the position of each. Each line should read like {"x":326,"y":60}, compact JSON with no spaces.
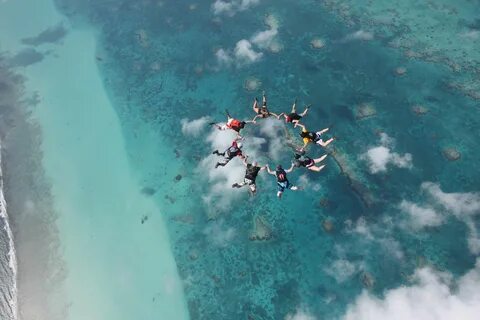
{"x":235,"y":185}
{"x":216,"y":165}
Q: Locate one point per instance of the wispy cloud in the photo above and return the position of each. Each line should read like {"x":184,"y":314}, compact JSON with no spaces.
{"x":471,"y":34}
{"x":465,"y":206}
{"x":342,"y":270}
{"x":360,"y":35}
{"x":232,"y":7}
{"x":305,"y":182}
{"x":300,"y":314}
{"x":219,"y":234}
{"x":273,"y":129}
{"x":194,"y":127}
{"x":438,"y":205}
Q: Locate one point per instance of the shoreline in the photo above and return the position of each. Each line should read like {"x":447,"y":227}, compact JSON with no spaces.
{"x":111,"y":266}
{"x":27,"y":196}
{"x":12,"y":258}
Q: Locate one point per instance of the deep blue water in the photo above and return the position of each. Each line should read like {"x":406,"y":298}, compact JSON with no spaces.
{"x":268,"y":279}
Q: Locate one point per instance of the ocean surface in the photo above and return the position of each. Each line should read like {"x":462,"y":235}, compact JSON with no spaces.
{"x":116,"y":209}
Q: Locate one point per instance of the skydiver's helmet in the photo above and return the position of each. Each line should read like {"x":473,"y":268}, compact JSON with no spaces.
{"x":239,"y":145}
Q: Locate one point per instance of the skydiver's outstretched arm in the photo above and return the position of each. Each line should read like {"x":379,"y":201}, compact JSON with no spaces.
{"x":306,"y":110}
{"x":219,"y":153}
{"x":298,"y":124}
{"x":290,"y":169}
{"x":320,"y":159}
{"x":326,"y":143}
{"x":323,"y":131}
{"x":254,"y":120}
{"x":216,"y":125}
{"x":255,"y":107}
{"x":294,"y":106}
{"x":269,"y":170}
{"x":316,"y":169}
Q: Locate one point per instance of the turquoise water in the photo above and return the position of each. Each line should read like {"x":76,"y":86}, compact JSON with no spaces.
{"x":148,"y":229}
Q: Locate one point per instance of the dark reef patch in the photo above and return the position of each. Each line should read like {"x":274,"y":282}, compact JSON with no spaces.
{"x":25,"y":58}
{"x":51,"y":35}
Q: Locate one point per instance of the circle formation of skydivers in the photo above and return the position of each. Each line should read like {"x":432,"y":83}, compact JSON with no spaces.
{"x":252,"y":169}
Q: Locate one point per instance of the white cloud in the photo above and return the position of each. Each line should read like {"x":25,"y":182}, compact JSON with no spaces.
{"x":421,"y":217}
{"x":245,"y":54}
{"x":300,"y":314}
{"x":223,"y":7}
{"x":359,"y":35}
{"x":231,"y":7}
{"x":220,"y":139}
{"x":434,"y":296}
{"x":264,"y":39}
{"x":194,"y":127}
{"x":249,"y":51}
{"x":380,"y":157}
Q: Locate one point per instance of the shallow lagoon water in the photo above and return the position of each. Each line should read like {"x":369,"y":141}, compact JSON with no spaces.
{"x":345,"y":233}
